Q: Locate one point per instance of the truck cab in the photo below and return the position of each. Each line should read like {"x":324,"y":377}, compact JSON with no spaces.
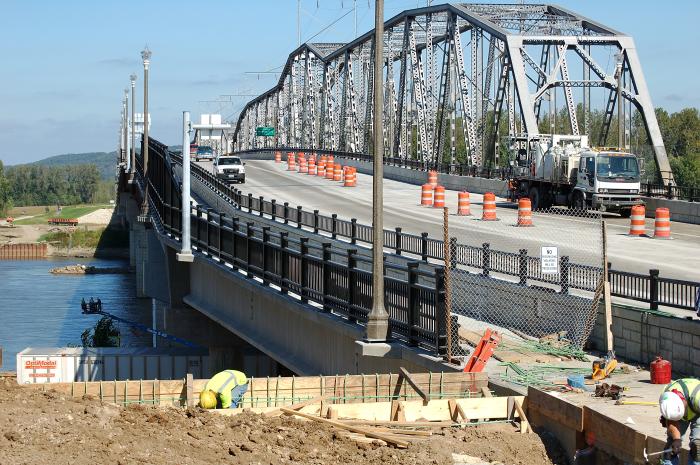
{"x":229,"y":168}
{"x":607,"y":180}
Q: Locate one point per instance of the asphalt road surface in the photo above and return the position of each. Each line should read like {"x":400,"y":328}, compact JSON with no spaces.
{"x":579,"y":238}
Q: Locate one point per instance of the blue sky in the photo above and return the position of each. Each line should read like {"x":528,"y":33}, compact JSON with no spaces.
{"x":65,"y":64}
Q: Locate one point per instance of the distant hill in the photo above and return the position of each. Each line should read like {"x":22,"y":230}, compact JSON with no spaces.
{"x":105,"y":161}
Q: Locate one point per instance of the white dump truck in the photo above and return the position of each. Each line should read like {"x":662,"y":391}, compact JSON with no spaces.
{"x":564,"y":170}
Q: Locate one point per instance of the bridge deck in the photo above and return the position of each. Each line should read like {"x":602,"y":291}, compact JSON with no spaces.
{"x":674,"y":258}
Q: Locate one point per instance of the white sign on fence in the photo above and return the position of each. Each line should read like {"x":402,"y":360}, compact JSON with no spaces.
{"x":549,"y":260}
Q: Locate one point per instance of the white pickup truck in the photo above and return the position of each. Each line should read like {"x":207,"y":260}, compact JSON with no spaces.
{"x":229,"y":168}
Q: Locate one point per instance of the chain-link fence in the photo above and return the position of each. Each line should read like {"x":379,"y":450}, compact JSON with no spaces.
{"x":527,"y":277}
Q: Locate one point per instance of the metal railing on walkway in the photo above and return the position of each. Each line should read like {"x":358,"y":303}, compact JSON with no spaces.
{"x":335,"y":280}
{"x":651,"y":288}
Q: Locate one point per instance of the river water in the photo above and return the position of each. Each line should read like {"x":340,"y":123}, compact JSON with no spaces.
{"x":39,"y":309}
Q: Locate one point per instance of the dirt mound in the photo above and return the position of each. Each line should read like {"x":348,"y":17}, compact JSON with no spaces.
{"x":47,"y":428}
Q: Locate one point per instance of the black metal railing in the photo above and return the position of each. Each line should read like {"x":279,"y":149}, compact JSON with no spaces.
{"x":338,"y":280}
{"x":527,"y":268}
{"x":654,"y":289}
{"x":670,"y":191}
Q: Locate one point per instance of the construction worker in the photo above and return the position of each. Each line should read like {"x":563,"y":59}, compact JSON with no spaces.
{"x":680,"y":410}
{"x":224,"y":390}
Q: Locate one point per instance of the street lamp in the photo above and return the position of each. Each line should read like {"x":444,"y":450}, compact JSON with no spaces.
{"x":132,"y":165}
{"x":146,"y":56}
{"x":378,"y":318}
{"x":125,"y":125}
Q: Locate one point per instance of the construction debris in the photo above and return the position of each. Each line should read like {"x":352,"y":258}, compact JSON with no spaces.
{"x":47,"y":428}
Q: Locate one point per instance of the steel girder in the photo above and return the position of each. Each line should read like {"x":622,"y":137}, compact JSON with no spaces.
{"x":325,"y":89}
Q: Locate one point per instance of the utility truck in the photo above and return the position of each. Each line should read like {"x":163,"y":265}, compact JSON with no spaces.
{"x":564,"y":170}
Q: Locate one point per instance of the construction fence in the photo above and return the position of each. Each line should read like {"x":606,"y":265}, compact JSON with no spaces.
{"x":521,"y":281}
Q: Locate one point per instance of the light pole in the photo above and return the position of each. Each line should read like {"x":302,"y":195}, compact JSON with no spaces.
{"x":125,"y":123}
{"x":132,"y":166}
{"x":620,"y":109}
{"x":185,"y":254}
{"x":146,"y":56}
{"x":378,"y":318}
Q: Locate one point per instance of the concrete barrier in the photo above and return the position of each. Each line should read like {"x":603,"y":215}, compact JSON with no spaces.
{"x":681,"y":211}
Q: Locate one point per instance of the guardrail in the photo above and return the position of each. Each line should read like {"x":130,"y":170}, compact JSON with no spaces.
{"x":337,"y":280}
{"x":669,"y":292}
{"x":669,"y":191}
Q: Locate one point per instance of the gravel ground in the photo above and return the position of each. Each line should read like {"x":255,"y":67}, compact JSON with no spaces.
{"x":47,"y":428}
{"x":102,"y":216}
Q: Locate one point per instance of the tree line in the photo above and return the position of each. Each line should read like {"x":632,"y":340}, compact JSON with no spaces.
{"x":27,"y":185}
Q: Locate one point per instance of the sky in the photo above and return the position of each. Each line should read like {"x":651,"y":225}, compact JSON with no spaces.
{"x":66,"y":64}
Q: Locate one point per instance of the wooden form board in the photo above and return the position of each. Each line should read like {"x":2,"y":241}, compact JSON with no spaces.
{"x":413,"y":410}
{"x":620,"y":440}
{"x":281,"y":391}
{"x":559,"y":410}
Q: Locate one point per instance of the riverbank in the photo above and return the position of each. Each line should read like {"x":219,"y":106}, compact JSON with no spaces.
{"x":98,"y":234}
{"x":89,"y":269}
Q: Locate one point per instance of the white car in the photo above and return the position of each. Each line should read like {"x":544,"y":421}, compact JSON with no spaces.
{"x":229,"y":168}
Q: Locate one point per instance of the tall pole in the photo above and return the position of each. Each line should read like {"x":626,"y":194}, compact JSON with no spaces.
{"x":126,"y":127}
{"x":354,"y":8}
{"x":146,"y":56}
{"x":132,"y":165}
{"x":620,"y":115}
{"x":298,"y":23}
{"x":185,"y":254}
{"x":378,"y":318}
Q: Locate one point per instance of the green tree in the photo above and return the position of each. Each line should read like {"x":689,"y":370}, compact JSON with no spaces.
{"x":5,"y":199}
{"x":105,"y":334}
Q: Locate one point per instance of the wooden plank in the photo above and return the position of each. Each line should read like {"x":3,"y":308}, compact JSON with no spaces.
{"x":486,"y":392}
{"x":407,"y":377}
{"x":297,"y":406}
{"x":524,"y":424}
{"x":189,"y":396}
{"x":406,"y":432}
{"x":355,"y":429}
{"x":559,"y":410}
{"x":614,"y":437}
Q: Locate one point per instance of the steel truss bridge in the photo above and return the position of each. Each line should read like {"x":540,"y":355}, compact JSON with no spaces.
{"x":451,"y":72}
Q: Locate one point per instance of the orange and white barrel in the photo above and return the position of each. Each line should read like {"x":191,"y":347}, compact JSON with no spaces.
{"x":637,"y":220}
{"x":489,"y":211}
{"x":432,"y":178}
{"x":312,"y":167}
{"x":439,"y":197}
{"x":338,"y":172}
{"x":426,"y":195}
{"x":330,"y":169}
{"x":330,"y":160}
{"x":321,"y":168}
{"x":278,"y":157}
{"x":303,"y":166}
{"x":524,"y":212}
{"x":291,"y":162}
{"x":463,"y":204}
{"x":662,"y":224}
{"x":350,"y":177}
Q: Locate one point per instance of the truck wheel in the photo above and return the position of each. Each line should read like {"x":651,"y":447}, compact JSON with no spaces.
{"x":534,"y":198}
{"x":578,"y":202}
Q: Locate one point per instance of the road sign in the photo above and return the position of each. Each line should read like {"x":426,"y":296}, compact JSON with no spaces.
{"x":265,"y":131}
{"x":549,"y":260}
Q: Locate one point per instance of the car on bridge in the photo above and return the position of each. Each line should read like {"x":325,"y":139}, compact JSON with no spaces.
{"x":204,"y":152}
{"x":229,"y":168}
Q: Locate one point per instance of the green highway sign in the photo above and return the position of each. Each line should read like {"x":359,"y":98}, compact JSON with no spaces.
{"x":265,"y":131}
